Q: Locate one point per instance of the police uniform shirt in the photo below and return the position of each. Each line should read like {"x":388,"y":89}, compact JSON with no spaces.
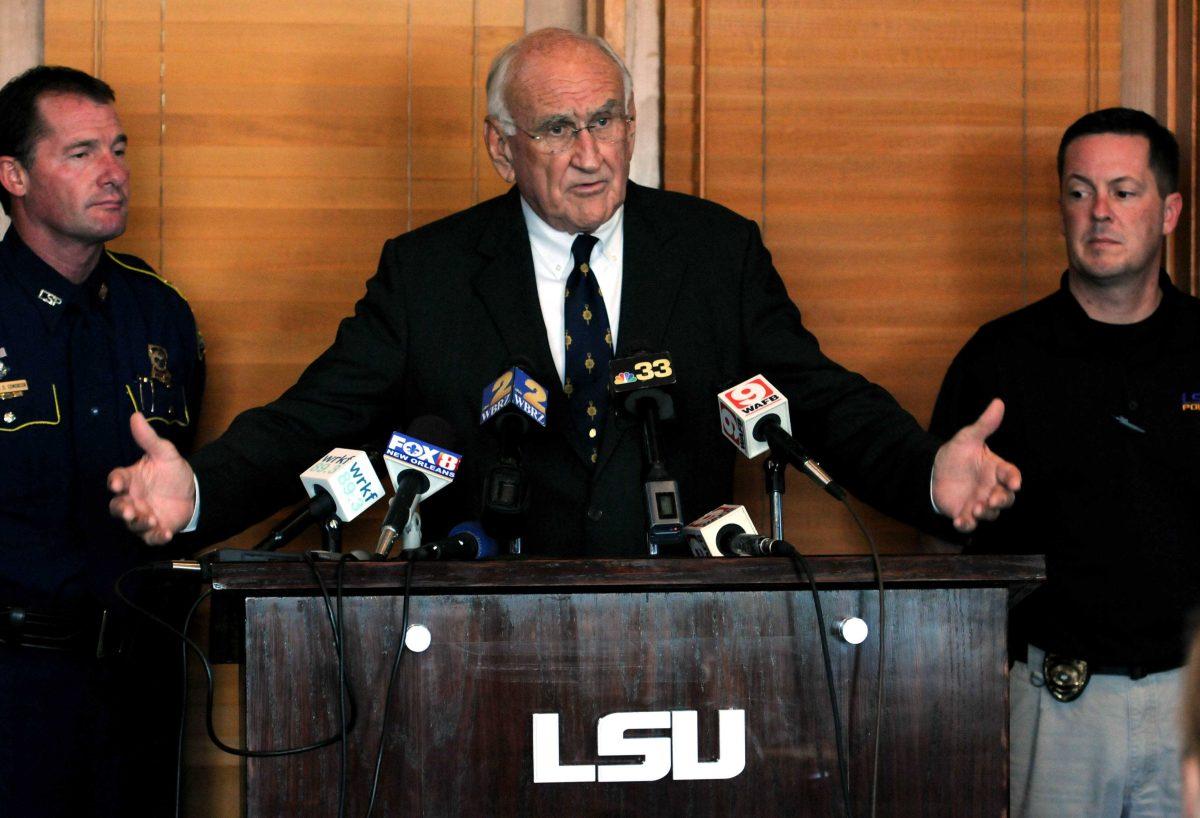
{"x":75,"y":362}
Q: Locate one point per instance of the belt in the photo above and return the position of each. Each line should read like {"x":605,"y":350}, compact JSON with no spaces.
{"x":88,"y":634}
{"x":1066,"y":677}
{"x":1138,"y":670}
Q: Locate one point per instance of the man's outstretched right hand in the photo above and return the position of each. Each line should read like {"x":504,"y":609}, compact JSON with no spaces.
{"x":156,"y":496}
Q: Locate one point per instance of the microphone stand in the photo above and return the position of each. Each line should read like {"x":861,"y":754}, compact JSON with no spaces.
{"x":665,"y":531}
{"x":331,"y":535}
{"x":776,"y":471}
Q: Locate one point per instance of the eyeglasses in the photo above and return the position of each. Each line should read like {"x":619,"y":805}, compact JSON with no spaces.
{"x":559,"y":136}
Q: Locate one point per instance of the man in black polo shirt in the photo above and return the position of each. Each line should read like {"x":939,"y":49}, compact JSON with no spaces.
{"x":1100,"y":381}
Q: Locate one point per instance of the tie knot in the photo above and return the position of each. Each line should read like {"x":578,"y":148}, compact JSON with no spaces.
{"x":581,"y":249}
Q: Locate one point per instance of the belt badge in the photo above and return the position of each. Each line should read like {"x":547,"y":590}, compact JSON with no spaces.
{"x":1065,"y":677}
{"x":158,"y":364}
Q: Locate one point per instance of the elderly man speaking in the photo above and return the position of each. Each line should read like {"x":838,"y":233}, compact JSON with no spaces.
{"x":573,"y":266}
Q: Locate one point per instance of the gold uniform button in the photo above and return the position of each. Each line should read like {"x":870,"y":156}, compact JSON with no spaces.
{"x":591,"y":432}
{"x":583,"y":268}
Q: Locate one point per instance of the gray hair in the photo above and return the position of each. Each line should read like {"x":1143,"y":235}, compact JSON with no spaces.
{"x":501,"y":71}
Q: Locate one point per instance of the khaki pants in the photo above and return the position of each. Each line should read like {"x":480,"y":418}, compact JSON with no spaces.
{"x":1111,"y":753}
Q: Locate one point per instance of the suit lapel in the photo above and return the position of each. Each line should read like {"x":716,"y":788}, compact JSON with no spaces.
{"x":651,"y":277}
{"x":506,"y":286}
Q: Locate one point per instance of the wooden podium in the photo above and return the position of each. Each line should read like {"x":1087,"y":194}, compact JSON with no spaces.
{"x":671,"y":644}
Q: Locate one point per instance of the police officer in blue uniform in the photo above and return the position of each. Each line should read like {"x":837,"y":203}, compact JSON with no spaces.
{"x":88,"y":336}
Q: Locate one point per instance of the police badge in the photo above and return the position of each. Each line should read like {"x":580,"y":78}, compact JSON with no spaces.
{"x":158,"y":364}
{"x":1065,"y":678}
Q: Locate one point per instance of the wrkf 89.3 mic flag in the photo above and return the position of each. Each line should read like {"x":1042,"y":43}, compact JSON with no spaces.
{"x":755,"y":418}
{"x":341,"y":484}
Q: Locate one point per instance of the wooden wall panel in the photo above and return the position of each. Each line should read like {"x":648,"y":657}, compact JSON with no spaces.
{"x":900,"y":159}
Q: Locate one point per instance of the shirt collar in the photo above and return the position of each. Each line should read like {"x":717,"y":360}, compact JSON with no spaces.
{"x":46,"y":288}
{"x":554,"y":246}
{"x":1079,"y":331}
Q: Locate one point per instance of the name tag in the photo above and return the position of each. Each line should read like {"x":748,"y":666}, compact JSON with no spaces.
{"x":13,"y":389}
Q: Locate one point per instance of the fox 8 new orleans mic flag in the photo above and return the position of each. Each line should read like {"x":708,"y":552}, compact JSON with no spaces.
{"x":743,"y":406}
{"x":407,"y":452}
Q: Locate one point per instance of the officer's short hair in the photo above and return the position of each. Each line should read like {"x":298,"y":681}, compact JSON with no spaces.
{"x":1164,"y":150}
{"x":21,"y":126}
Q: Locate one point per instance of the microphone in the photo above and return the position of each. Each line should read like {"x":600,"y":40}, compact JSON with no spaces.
{"x":418,"y":470}
{"x":466,"y":541}
{"x":733,"y":541}
{"x":342,"y":483}
{"x":638,"y":384}
{"x":728,"y":531}
{"x":511,"y":405}
{"x":755,"y":417}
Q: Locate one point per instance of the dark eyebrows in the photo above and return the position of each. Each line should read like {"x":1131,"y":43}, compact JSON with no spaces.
{"x":121,"y":140}
{"x":1120,"y":180}
{"x":82,"y":143}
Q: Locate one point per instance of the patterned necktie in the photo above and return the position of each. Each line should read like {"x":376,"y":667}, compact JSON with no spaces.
{"x":589,"y":349}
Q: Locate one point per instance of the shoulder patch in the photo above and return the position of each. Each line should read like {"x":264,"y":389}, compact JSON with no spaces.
{"x":136,"y":265}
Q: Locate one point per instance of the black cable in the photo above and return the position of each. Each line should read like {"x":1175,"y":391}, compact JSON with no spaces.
{"x":801,"y":566}
{"x":343,"y":787}
{"x":879,"y":675}
{"x":208,"y":672}
{"x":339,"y":633}
{"x":387,"y":702}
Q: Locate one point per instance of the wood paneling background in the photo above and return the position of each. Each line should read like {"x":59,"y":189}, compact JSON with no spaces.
{"x":900,"y":159}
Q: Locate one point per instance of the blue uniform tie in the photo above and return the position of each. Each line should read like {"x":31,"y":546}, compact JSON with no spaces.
{"x":589,"y":349}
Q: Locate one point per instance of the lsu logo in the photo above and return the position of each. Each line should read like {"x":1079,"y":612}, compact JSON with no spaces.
{"x":751,"y":395}
{"x":677,"y":754}
{"x":421,"y":455}
{"x":1189,"y":401}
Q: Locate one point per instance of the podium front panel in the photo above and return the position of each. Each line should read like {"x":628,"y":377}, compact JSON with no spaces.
{"x":460,"y":740}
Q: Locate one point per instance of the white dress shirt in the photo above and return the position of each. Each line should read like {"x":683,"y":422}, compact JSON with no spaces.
{"x":552,"y":265}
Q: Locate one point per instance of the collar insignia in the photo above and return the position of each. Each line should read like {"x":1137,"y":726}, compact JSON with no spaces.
{"x":49,"y":297}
